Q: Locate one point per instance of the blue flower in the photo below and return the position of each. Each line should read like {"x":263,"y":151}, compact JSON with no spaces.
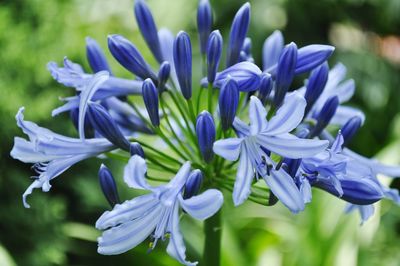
{"x":150,"y":98}
{"x":95,"y":56}
{"x":52,"y":153}
{"x":214,"y":51}
{"x":228,"y":103}
{"x":344,"y":90}
{"x":238,"y":33}
{"x":204,"y":23}
{"x":148,"y":28}
{"x":108,"y":185}
{"x":155,"y":214}
{"x":274,"y":136}
{"x":183,"y":63}
{"x":129,"y":57}
{"x":205,"y":131}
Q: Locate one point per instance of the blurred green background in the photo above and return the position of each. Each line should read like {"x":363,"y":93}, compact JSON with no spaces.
{"x":58,"y":229}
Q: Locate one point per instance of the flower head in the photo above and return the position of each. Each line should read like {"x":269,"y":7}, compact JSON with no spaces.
{"x":155,"y":214}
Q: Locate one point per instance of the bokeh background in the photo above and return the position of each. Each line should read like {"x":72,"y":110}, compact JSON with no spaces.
{"x":58,"y":229}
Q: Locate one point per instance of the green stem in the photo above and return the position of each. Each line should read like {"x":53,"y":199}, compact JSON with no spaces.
{"x":210,"y":94}
{"x":212,"y":244}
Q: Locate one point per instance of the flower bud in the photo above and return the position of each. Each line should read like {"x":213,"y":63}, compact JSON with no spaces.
{"x":95,"y":56}
{"x":315,"y":86}
{"x":193,"y":184}
{"x":204,"y":23}
{"x":272,"y":49}
{"x":205,"y":130}
{"x":360,"y":191}
{"x":265,"y":87}
{"x":325,"y":115}
{"x":285,"y":72}
{"x":228,"y":102}
{"x":350,"y":129}
{"x":136,"y":149}
{"x":183,"y":63}
{"x":148,"y":28}
{"x":129,"y":57}
{"x":311,"y":56}
{"x":163,"y":75}
{"x":238,"y":33}
{"x":214,"y":50}
{"x":150,"y":97}
{"x":103,"y":123}
{"x":108,"y":186}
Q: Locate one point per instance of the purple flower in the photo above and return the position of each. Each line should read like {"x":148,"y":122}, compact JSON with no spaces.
{"x":155,"y":214}
{"x":274,"y":136}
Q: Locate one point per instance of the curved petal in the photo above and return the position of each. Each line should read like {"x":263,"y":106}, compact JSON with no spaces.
{"x":292,"y":147}
{"x":204,"y":205}
{"x":228,"y":148}
{"x":244,"y":177}
{"x":241,"y":128}
{"x":170,"y":192}
{"x":288,"y":116}
{"x":86,"y":94}
{"x":127,"y":211}
{"x":126,"y":236}
{"x":284,"y":188}
{"x":176,"y":247}
{"x":134,"y":173}
{"x":257,"y":115}
{"x":345,"y":90}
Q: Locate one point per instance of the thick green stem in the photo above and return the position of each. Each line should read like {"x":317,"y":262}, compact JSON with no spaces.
{"x":212,"y":244}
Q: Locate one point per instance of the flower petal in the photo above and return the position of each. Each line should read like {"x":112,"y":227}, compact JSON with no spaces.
{"x":244,"y":177}
{"x":176,"y":247}
{"x":228,"y":148}
{"x":128,"y":235}
{"x":344,"y":113}
{"x":86,"y":94}
{"x":134,"y":173}
{"x":204,"y":205}
{"x":272,"y":48}
{"x":284,"y":188}
{"x":127,"y":211}
{"x":288,"y":116}
{"x":257,"y":115}
{"x":175,"y":186}
{"x":241,"y":128}
{"x":292,"y":147}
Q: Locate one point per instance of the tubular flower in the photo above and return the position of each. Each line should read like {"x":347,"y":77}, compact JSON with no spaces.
{"x":156,"y":213}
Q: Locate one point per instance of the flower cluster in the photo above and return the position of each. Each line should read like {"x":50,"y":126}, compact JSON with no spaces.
{"x":275,"y":136}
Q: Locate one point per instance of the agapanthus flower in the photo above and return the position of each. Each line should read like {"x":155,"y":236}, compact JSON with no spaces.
{"x":273,"y":135}
{"x":155,"y":214}
{"x":195,"y":121}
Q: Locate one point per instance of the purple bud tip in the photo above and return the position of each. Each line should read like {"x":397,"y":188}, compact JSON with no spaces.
{"x":193,"y":184}
{"x":150,"y":98}
{"x":182,"y":52}
{"x":228,"y":102}
{"x":205,"y":130}
{"x":108,"y":185}
{"x":350,"y":129}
